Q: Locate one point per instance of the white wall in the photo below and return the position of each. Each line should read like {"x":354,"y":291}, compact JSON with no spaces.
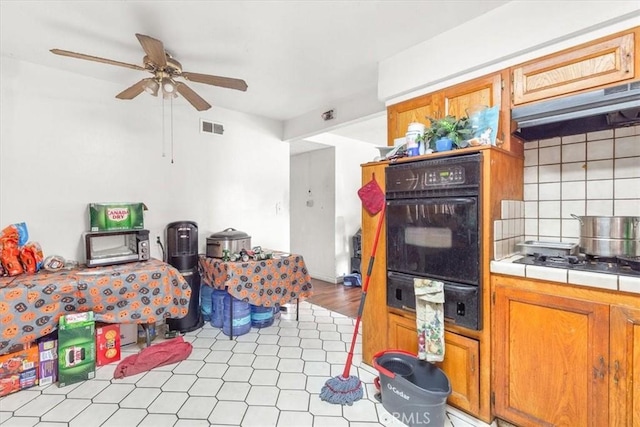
{"x":313,"y":211}
{"x":65,"y":141}
{"x":350,"y":154}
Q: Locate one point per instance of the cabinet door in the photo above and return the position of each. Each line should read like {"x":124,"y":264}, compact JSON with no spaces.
{"x":482,"y":91}
{"x":462,"y":365}
{"x":551,"y":358}
{"x":597,"y":64}
{"x":403,"y":333}
{"x":461,"y":361}
{"x":625,"y":367}
{"x":413,"y":110}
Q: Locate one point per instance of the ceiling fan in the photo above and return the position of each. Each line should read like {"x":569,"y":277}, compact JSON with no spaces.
{"x":165,"y":69}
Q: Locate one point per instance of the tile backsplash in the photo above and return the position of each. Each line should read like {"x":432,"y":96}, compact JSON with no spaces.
{"x":593,"y":174}
{"x":588,"y":174}
{"x":509,"y":230}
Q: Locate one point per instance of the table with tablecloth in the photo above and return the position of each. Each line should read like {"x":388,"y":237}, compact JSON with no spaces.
{"x":263,"y":283}
{"x":138,"y":292}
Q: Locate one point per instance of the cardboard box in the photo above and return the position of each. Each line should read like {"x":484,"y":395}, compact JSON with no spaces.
{"x":76,"y":348}
{"x":107,"y":343}
{"x":18,"y":370}
{"x":116,"y":216}
{"x":128,"y":334}
{"x":28,"y":378}
{"x":48,"y":360}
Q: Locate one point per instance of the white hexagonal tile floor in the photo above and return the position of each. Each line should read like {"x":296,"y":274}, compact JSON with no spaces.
{"x":267,"y":377}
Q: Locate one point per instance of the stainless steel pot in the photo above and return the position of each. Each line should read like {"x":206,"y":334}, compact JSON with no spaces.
{"x":609,"y":236}
{"x":229,"y":239}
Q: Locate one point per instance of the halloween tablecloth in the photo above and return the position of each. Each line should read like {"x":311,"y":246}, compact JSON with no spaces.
{"x":140,"y":292}
{"x":262,"y":283}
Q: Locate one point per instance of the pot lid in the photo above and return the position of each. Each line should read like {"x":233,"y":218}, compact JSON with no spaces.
{"x":230,"y":233}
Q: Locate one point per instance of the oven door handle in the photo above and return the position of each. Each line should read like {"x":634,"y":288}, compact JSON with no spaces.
{"x":433,"y":201}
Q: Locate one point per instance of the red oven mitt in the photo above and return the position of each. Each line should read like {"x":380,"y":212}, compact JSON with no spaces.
{"x":372,"y":197}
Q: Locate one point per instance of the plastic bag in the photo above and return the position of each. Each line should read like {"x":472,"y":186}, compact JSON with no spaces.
{"x":9,"y":258}
{"x":31,"y":257}
{"x":15,"y":232}
{"x":53,"y":263}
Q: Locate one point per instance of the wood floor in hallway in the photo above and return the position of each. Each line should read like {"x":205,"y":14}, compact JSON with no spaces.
{"x":336,"y":297}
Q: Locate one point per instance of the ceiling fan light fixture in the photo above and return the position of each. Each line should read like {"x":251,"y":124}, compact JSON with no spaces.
{"x":169,"y":95}
{"x":168,"y":85}
{"x":151,"y":86}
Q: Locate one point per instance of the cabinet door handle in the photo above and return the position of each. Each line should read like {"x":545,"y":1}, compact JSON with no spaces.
{"x":602,"y":367}
{"x":616,"y":367}
{"x":599,"y":372}
{"x":413,"y":310}
{"x":473,"y":363}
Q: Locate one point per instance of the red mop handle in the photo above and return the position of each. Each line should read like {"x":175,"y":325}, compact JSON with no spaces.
{"x":373,"y":253}
{"x":347,"y":366}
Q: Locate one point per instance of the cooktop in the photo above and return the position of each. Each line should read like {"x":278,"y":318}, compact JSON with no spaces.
{"x":582,"y":263}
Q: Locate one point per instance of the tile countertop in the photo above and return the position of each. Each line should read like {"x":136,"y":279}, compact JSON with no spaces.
{"x":605,"y":281}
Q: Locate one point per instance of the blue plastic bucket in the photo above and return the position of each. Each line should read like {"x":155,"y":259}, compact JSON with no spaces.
{"x":261,"y":317}
{"x":241,"y":317}
{"x":218,"y":297}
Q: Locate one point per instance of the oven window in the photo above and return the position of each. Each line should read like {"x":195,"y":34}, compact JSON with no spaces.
{"x":437,"y":237}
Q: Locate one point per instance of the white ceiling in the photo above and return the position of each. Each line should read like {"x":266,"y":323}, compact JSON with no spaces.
{"x":296,"y":56}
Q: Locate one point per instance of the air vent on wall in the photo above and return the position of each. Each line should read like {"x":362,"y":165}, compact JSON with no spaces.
{"x":210,"y":127}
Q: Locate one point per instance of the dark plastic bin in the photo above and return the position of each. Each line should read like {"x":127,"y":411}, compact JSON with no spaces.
{"x":413,"y":391}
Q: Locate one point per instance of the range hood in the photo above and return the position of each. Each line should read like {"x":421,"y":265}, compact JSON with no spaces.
{"x":585,"y":112}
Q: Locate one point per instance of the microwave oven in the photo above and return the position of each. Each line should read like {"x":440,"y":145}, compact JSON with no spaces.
{"x":116,"y":247}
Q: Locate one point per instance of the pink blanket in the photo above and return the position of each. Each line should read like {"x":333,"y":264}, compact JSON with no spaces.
{"x":164,"y":353}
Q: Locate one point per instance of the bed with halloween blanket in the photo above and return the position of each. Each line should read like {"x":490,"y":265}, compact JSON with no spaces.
{"x":140,"y":292}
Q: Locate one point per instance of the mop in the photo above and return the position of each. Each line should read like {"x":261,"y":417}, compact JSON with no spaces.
{"x":346,"y":389}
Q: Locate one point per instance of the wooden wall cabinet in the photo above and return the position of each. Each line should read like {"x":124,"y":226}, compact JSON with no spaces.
{"x":604,"y":62}
{"x":487,"y":90}
{"x":564,"y":355}
{"x":490,"y":90}
{"x":414,"y":110}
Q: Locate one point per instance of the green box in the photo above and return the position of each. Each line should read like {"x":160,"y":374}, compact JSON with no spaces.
{"x":76,"y":348}
{"x":116,"y":216}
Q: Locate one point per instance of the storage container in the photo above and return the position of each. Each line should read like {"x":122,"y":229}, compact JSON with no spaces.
{"x":218,"y":297}
{"x":241,"y":317}
{"x":206,"y":293}
{"x":261,"y":317}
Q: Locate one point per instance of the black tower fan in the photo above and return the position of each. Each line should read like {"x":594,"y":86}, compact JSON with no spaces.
{"x":182,"y":253}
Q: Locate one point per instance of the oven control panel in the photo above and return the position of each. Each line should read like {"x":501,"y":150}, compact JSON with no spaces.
{"x":445,"y":176}
{"x":431,"y":176}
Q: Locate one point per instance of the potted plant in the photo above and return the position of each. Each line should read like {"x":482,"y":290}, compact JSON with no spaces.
{"x":447,"y":132}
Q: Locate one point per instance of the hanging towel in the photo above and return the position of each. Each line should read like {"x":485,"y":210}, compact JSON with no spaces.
{"x":430,"y":319}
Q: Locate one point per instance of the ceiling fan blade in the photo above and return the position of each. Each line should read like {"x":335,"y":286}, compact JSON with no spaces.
{"x":193,"y":98}
{"x":96,"y":59}
{"x":226,"y":82}
{"x":154,"y":49}
{"x":133,"y":91}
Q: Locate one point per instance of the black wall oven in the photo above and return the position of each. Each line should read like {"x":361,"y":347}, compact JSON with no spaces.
{"x":433,"y":231}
